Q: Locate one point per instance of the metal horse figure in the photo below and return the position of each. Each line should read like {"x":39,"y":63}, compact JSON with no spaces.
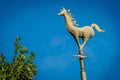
{"x":85,"y":32}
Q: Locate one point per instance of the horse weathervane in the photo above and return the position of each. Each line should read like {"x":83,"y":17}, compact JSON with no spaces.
{"x":85,"y":33}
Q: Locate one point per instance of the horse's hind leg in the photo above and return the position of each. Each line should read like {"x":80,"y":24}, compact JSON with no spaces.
{"x":85,"y":39}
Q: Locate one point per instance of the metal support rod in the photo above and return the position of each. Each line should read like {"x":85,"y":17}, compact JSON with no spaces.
{"x":83,"y":73}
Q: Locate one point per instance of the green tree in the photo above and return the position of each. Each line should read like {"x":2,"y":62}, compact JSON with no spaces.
{"x":21,"y":67}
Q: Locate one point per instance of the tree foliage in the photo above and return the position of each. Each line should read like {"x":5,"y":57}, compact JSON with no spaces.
{"x":21,"y":67}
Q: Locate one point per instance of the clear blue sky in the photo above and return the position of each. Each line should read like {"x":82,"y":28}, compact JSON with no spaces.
{"x":44,"y":33}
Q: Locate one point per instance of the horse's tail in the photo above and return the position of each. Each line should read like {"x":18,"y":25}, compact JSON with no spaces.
{"x":97,"y":28}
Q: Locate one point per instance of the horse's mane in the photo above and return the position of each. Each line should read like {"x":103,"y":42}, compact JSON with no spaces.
{"x":73,"y":19}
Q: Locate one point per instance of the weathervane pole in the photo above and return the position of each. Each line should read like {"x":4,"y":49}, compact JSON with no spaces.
{"x":81,"y":59}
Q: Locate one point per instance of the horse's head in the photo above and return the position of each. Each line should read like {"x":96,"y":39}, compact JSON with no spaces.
{"x":63,"y":12}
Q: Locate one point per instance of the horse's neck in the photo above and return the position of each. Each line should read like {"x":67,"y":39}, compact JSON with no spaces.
{"x":69,"y":23}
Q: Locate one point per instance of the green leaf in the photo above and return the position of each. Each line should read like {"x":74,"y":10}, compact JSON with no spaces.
{"x":24,"y":49}
{"x":18,"y":38}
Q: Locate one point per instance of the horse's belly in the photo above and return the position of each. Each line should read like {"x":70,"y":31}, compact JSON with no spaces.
{"x":88,"y":31}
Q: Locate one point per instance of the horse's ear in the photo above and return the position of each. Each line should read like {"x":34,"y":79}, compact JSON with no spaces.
{"x":63,"y":8}
{"x":68,"y":10}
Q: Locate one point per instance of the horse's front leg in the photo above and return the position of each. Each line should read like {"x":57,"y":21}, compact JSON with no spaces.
{"x":78,"y":44}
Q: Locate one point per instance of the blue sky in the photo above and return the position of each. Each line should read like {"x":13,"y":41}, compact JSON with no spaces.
{"x":44,"y":33}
